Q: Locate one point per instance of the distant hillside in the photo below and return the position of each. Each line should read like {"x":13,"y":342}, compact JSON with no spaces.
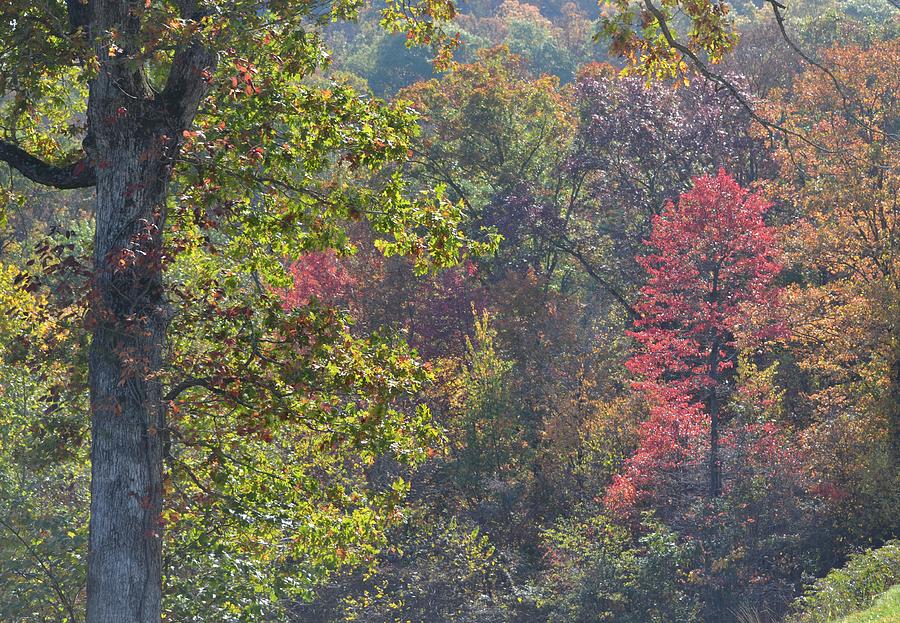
{"x":555,"y":37}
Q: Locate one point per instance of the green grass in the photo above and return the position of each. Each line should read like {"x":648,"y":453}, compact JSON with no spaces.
{"x":886,"y":609}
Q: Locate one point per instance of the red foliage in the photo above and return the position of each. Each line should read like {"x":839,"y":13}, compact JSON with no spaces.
{"x":713,"y":259}
{"x":320,"y":275}
{"x":673,"y":442}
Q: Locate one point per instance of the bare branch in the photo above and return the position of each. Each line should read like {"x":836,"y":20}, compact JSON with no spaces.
{"x":185,"y":385}
{"x":44,"y":566}
{"x":838,"y":86}
{"x":572,"y":250}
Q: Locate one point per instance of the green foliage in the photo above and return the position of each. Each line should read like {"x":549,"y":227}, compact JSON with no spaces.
{"x":644,"y":33}
{"x":386,"y":63}
{"x":597,"y":574}
{"x":43,"y":538}
{"x":485,"y":430}
{"x":850,"y":588}
{"x":841,"y":23}
{"x":544,"y":54}
{"x":43,"y":458}
{"x":269,"y":488}
{"x":436,"y":569}
{"x":492,"y":131}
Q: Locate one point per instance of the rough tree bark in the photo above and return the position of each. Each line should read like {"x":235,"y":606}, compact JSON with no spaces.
{"x":133,"y":140}
{"x":129,"y":151}
{"x":130,"y":148}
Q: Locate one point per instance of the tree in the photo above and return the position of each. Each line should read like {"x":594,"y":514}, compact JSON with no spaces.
{"x":637,"y":145}
{"x":596,"y":573}
{"x":713,"y":257}
{"x":843,"y":249}
{"x":205,"y":98}
{"x":43,"y":478}
{"x":318,"y":275}
{"x":846,"y":239}
{"x":489,"y":128}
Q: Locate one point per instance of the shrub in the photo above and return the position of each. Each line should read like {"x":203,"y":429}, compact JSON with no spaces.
{"x":852,"y":587}
{"x":597,"y":573}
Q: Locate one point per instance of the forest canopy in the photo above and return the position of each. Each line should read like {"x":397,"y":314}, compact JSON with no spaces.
{"x":417,"y":312}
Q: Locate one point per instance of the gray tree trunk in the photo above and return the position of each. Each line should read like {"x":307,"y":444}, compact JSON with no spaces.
{"x":132,"y":142}
{"x":712,"y":400}
{"x":712,"y":405}
{"x":129,"y":320}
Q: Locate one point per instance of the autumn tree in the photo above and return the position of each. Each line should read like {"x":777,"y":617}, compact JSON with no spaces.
{"x":637,"y":145}
{"x":844,"y":247}
{"x":494,"y":134}
{"x":191,"y":125}
{"x":713,"y":258}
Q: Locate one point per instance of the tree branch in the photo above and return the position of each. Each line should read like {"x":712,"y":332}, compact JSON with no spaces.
{"x":78,"y":175}
{"x":571,"y":250}
{"x":188,"y":82}
{"x":44,"y":566}
{"x":185,"y":385}
{"x":191,"y":73}
{"x":701,"y":67}
{"x":838,"y":85}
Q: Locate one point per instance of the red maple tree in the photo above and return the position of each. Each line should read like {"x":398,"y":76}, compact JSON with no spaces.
{"x":713,"y":260}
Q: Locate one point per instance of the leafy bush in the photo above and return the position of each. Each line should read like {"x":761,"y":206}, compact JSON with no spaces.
{"x":850,"y":588}
{"x":598,"y":573}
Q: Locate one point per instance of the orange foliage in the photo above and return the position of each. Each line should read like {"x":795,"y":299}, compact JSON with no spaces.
{"x":846,"y":248}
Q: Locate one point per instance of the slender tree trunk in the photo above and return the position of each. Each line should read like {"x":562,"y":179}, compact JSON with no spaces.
{"x":893,"y":401}
{"x":712,"y":402}
{"x":715,"y":476}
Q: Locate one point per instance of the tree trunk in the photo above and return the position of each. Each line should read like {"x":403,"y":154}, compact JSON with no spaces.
{"x":133,"y":138}
{"x":712,"y":401}
{"x":129,"y":318}
{"x":715,"y":476}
